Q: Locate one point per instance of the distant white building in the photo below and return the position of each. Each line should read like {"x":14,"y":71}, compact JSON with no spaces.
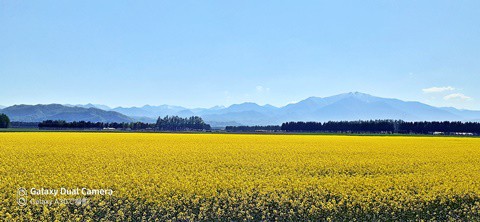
{"x":463,"y":134}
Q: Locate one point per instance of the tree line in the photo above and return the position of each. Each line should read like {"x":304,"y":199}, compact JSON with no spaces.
{"x":16,"y":124}
{"x":384,"y":126}
{"x":61,"y":124}
{"x":176,"y":123}
{"x":270,"y":128}
{"x":168,"y":123}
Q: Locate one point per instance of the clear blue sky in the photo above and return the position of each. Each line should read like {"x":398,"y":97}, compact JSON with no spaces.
{"x":206,"y":53}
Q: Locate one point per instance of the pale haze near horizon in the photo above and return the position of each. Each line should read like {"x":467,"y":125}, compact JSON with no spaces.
{"x":202,"y":54}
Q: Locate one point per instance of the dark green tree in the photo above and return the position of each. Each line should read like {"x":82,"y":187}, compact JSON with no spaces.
{"x":384,"y":126}
{"x":175,"y":123}
{"x":4,"y":121}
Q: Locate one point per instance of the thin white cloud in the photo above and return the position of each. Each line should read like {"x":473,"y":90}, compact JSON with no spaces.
{"x":457,"y":96}
{"x":438,"y":89}
{"x":261,"y":89}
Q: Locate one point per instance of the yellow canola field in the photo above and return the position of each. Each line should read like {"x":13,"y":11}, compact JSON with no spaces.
{"x":197,"y":177}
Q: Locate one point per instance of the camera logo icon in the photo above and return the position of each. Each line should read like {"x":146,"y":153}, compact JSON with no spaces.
{"x":22,"y":192}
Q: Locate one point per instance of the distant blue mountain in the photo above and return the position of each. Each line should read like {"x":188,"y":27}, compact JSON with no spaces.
{"x":243,"y":118}
{"x":360,"y":106}
{"x":249,"y":107}
{"x":98,"y":106}
{"x":347,"y":106}
{"x":163,"y":110}
{"x":467,"y":114}
{"x":134,"y":111}
{"x":37,"y":113}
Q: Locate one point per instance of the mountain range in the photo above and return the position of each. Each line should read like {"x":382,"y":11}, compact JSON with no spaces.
{"x":347,"y":106}
{"x":37,"y":113}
